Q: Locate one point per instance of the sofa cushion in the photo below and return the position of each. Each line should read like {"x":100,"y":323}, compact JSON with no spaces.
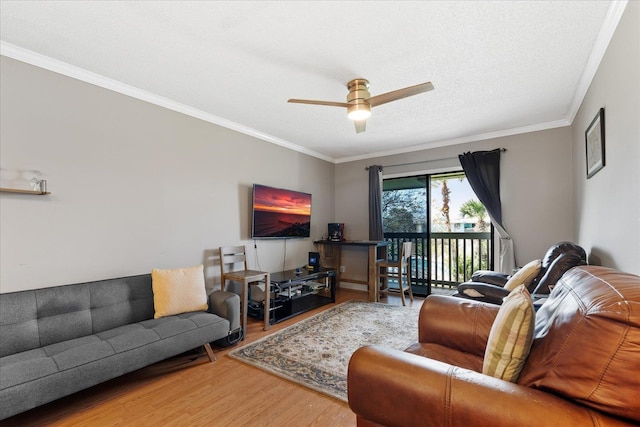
{"x":84,"y":353}
{"x":24,"y":367}
{"x":18,"y":322}
{"x":201,"y":318}
{"x":178,"y":291}
{"x":128,"y":337}
{"x":524,"y":276}
{"x":510,"y":337}
{"x":117,"y":302}
{"x":168,"y":326}
{"x":64,"y":313}
{"x":31,"y":365}
{"x":587,"y":341}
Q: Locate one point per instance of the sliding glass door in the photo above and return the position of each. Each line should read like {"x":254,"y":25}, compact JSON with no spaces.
{"x":449,"y":228}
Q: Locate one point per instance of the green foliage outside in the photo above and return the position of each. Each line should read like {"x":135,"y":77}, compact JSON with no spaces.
{"x":404,"y":210}
{"x":474,"y":209}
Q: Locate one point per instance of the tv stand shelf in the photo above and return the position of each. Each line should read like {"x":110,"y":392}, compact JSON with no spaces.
{"x":296,"y":291}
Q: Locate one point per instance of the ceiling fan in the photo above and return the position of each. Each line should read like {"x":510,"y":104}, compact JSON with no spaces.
{"x":359,"y":101}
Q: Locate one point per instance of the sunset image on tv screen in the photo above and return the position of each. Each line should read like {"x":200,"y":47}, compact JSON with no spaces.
{"x":280,"y":213}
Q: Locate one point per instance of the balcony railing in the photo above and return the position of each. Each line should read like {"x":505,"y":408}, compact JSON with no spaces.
{"x":443,"y":259}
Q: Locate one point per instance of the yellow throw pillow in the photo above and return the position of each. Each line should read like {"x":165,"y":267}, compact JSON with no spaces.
{"x":524,"y":276}
{"x":178,"y":291}
{"x":510,"y":337}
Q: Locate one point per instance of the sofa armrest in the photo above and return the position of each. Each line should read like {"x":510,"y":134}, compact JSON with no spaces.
{"x":411,"y":390}
{"x":456,"y":323}
{"x":227,"y":305}
{"x":491,"y":277}
{"x":482,"y":292}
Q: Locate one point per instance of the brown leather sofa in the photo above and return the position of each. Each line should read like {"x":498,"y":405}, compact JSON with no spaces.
{"x":583,"y":368}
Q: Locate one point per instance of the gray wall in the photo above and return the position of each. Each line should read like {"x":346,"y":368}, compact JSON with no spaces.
{"x":607,"y":206}
{"x":536,"y":185}
{"x":134,"y":186}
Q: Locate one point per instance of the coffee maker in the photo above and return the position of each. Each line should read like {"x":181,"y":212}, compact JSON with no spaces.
{"x":336,"y":232}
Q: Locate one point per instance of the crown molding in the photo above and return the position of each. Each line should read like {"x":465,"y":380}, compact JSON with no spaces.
{"x":462,"y":140}
{"x":42,"y":61}
{"x":611,"y":21}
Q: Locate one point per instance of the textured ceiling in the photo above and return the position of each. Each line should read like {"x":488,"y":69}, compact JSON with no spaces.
{"x":498,"y":67}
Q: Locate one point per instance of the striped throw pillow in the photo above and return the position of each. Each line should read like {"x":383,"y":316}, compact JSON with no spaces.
{"x":510,"y":337}
{"x":524,"y":276}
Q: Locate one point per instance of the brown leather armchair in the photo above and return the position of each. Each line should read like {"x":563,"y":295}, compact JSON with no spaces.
{"x":488,"y":286}
{"x":582,"y":369}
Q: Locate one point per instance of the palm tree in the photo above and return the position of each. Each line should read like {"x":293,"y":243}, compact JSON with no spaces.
{"x":441,"y":181}
{"x":474,"y":209}
{"x":445,"y":204}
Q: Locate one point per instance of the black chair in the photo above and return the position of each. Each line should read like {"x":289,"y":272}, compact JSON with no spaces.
{"x":488,"y":286}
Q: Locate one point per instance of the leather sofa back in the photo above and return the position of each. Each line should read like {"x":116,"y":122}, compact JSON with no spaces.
{"x":558,"y":259}
{"x":562,"y":248}
{"x":587,"y":341}
{"x":563,"y":263}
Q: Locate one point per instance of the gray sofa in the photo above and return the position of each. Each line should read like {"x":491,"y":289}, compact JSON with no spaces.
{"x":59,"y":340}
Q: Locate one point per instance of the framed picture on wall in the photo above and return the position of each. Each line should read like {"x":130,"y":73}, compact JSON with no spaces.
{"x":594,"y":138}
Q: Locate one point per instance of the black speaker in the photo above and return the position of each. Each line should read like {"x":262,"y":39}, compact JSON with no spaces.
{"x":314,"y":261}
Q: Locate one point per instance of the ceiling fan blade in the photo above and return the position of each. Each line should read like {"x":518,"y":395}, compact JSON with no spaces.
{"x":399,"y":94}
{"x":328,"y":103}
{"x":360,"y":125}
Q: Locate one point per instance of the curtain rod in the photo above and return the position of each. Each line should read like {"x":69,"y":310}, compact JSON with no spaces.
{"x":423,"y":161}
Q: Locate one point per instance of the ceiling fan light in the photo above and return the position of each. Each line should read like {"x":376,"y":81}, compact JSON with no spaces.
{"x":360,"y":111}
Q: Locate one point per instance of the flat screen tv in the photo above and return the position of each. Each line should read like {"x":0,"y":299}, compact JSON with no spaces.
{"x":280,"y":213}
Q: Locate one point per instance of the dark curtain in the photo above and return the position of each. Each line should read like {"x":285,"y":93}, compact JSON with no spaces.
{"x":375,"y":203}
{"x":482,"y":169}
{"x":483,"y":173}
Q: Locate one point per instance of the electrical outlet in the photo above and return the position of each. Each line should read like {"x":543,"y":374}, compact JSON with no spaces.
{"x":343,"y":269}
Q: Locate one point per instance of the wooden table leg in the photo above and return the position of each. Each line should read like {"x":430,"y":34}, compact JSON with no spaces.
{"x":267,"y":296}
{"x":371,"y":279}
{"x":245,"y":307}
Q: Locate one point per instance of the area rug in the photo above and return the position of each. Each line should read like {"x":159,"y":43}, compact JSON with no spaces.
{"x":315,"y":352}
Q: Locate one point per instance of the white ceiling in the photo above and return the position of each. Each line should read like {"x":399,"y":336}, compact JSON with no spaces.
{"x":498,"y":67}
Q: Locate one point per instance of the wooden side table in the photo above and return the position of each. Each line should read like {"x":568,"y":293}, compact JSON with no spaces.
{"x":246,"y":277}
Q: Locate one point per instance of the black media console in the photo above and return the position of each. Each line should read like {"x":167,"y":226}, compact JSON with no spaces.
{"x":295,"y":291}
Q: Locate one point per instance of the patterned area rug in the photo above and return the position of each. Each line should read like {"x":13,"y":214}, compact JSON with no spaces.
{"x":315,"y":352}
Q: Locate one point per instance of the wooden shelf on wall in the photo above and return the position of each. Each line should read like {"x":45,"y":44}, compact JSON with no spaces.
{"x":16,"y":191}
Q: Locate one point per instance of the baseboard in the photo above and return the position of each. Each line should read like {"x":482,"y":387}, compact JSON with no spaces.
{"x":353,"y":286}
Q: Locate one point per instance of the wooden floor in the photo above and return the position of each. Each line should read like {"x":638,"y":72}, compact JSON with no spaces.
{"x":185,"y":392}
